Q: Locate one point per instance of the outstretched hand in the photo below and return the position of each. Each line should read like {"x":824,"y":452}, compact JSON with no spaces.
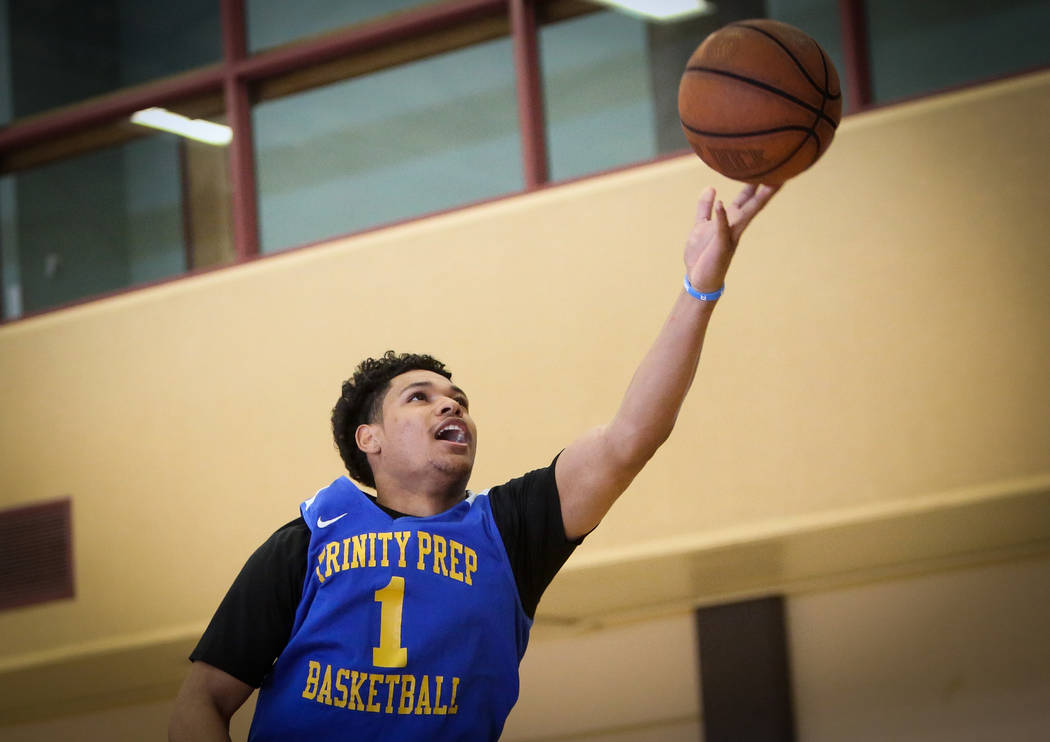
{"x":712,"y":242}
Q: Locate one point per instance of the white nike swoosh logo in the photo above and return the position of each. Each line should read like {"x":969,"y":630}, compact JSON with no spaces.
{"x":322,"y":523}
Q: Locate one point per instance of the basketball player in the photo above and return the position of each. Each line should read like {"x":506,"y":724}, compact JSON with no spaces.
{"x":405,"y":615}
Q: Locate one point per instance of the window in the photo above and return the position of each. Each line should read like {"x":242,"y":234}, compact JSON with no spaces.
{"x":923,"y":47}
{"x":276,"y":22}
{"x":409,"y":140}
{"x":598,"y":94}
{"x":64,"y":51}
{"x":350,"y":115}
{"x":145,"y":210}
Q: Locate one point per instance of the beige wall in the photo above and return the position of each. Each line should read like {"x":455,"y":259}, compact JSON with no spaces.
{"x":881,"y":351}
{"x":957,"y":655}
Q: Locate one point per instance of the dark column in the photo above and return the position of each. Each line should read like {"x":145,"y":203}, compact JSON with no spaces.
{"x":745,"y":680}
{"x":855,"y":49}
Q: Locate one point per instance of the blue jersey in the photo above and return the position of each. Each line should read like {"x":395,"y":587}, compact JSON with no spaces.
{"x":408,"y":628}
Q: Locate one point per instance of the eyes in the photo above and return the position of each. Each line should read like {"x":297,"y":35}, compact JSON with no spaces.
{"x":422,"y":396}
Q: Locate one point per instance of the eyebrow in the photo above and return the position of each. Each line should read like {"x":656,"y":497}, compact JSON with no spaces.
{"x":455,"y":389}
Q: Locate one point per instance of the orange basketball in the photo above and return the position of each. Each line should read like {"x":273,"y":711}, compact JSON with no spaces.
{"x":759,"y":101}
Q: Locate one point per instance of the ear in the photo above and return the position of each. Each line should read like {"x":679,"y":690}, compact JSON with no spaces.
{"x":367,"y":438}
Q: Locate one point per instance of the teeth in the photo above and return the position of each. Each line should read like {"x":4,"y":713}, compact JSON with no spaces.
{"x":458,"y":434}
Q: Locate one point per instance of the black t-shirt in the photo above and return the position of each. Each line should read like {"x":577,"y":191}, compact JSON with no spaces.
{"x":254,"y":621}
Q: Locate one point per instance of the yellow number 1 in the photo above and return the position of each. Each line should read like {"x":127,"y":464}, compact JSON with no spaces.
{"x":391,"y":599}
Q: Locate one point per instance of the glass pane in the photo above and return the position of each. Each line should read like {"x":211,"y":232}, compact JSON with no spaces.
{"x":64,"y":51}
{"x":274,"y":22}
{"x":104,"y":221}
{"x":922,"y":47}
{"x":598,"y":94}
{"x":399,"y":143}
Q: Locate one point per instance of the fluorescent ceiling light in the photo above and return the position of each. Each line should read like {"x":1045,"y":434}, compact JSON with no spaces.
{"x":662,"y":10}
{"x":197,"y":129}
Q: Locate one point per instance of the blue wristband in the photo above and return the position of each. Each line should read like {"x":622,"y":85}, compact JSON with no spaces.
{"x":711,"y":296}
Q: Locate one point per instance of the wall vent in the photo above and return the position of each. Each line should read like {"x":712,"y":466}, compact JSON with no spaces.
{"x":36,"y":553}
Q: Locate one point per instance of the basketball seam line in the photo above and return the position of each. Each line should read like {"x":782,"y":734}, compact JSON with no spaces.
{"x":820,"y":143}
{"x":801,"y":68}
{"x":757,"y":132}
{"x":824,"y":65}
{"x":765,"y":86}
{"x":812,"y":129}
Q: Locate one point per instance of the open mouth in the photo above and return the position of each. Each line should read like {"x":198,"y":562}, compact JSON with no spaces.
{"x":454,"y":431}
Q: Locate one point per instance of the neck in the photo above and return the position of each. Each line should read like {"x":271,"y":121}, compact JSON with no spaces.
{"x":420,"y":502}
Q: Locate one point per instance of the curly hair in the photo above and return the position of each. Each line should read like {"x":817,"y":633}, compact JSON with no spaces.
{"x":361,"y":402}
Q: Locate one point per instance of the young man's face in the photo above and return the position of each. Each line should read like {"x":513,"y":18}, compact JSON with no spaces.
{"x":425,"y":429}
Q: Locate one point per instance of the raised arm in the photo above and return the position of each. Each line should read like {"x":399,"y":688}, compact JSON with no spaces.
{"x":596,"y":468}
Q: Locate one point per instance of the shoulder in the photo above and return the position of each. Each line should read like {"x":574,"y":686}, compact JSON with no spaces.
{"x":524,"y":501}
{"x":293,"y":537}
{"x":284,"y":552}
{"x":534,"y":483}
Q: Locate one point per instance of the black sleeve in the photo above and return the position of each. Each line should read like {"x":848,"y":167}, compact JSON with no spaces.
{"x":527,"y":511}
{"x":254,"y":620}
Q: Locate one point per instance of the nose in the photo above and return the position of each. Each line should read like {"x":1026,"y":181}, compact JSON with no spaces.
{"x":450,"y":406}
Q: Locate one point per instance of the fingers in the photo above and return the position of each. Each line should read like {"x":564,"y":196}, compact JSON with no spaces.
{"x":724,"y":246}
{"x":703,"y":206}
{"x":745,"y":195}
{"x":751,"y":200}
{"x":765,"y":193}
{"x":722,"y":220}
{"x":753,"y":197}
